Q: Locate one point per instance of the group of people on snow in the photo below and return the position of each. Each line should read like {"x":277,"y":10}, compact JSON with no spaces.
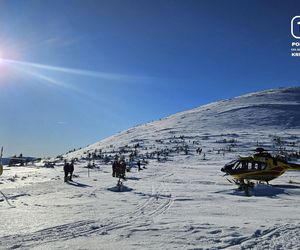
{"x":199,"y":151}
{"x":68,"y":169}
{"x":119,"y":168}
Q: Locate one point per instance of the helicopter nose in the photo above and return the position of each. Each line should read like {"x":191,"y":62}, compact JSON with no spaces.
{"x":223,"y":169}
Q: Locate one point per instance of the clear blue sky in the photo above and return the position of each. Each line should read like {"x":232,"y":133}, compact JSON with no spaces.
{"x":116,"y":64}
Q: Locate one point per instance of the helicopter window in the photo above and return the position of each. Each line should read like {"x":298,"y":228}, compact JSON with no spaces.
{"x":255,"y":166}
{"x":237,"y":165}
{"x":250,"y":166}
{"x":244,"y":165}
{"x":232,"y":162}
{"x":258,"y":166}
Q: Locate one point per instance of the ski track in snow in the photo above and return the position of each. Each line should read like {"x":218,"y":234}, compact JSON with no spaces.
{"x":159,"y":201}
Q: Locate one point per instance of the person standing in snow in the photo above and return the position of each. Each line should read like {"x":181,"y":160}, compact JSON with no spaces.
{"x":66,"y":170}
{"x":139,"y":165}
{"x":122,"y":168}
{"x":71,"y":170}
{"x":115,"y":167}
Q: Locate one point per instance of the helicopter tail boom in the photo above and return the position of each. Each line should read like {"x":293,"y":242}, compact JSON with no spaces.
{"x":294,"y":166}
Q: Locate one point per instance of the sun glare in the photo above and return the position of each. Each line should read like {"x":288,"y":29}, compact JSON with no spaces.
{"x":1,"y":57}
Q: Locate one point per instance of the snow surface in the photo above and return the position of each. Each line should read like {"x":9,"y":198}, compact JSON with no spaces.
{"x":181,"y":201}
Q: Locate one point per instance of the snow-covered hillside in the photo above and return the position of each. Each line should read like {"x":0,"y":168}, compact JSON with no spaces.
{"x":264,"y":113}
{"x":179,"y":200}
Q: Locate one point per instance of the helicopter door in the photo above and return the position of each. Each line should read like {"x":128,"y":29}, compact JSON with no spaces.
{"x":245,"y":165}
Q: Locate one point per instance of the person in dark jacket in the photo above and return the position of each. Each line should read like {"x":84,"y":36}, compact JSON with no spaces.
{"x":71,"y":169}
{"x":115,"y":167}
{"x":122,"y":169}
{"x":66,"y":170}
{"x":139,"y":165}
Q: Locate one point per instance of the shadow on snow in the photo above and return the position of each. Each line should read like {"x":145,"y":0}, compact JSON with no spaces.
{"x":78,"y":184}
{"x":263,"y":190}
{"x":120,"y":189}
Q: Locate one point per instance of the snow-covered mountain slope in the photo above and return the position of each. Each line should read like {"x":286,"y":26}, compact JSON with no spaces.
{"x":180,"y":200}
{"x":275,"y":110}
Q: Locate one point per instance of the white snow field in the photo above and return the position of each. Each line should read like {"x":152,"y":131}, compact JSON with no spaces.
{"x":180,"y":200}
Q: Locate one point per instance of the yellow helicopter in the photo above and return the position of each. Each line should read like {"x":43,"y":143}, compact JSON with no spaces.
{"x":261,"y":166}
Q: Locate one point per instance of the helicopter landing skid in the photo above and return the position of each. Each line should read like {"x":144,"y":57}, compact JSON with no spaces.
{"x":244,"y":186}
